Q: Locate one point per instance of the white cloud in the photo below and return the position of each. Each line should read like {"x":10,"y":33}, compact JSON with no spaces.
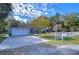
{"x":20,"y":19}
{"x":45,"y":9}
{"x":31,"y":10}
{"x":28,"y":9}
{"x":39,"y":13}
{"x":46,"y":13}
{"x":17,"y":17}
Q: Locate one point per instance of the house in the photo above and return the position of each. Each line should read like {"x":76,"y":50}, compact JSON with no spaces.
{"x":19,"y":31}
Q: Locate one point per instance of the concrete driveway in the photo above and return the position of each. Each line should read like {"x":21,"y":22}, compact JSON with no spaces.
{"x":32,"y":45}
{"x":19,"y":41}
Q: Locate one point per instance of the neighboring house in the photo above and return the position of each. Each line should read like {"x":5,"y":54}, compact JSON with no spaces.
{"x":47,"y":30}
{"x":19,"y":31}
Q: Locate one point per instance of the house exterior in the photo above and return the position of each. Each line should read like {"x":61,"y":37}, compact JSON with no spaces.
{"x":19,"y":31}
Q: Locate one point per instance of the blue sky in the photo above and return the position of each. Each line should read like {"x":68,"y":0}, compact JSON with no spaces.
{"x":27,"y":11}
{"x":69,"y":7}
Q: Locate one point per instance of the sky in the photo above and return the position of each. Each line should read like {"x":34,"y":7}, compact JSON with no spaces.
{"x":28,"y":11}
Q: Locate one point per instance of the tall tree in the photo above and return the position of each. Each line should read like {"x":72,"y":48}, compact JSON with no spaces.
{"x":40,"y":23}
{"x":56,"y":20}
{"x":5,"y":9}
{"x":16,"y":23}
{"x":71,"y":21}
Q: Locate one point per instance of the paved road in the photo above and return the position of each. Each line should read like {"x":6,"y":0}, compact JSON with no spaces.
{"x":41,"y":49}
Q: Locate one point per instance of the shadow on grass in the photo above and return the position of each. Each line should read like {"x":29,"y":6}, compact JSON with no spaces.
{"x":69,"y":39}
{"x":49,"y":37}
{"x":2,"y":39}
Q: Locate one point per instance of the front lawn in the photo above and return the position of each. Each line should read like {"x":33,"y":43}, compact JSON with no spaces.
{"x":52,"y":40}
{"x":2,"y":37}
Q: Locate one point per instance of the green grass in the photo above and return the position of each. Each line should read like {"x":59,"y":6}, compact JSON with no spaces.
{"x":52,"y":40}
{"x":2,"y":37}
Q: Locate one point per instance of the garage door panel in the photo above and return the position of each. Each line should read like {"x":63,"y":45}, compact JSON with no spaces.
{"x":20,"y":31}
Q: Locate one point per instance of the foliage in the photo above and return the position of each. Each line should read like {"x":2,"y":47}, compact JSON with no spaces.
{"x":2,"y":37}
{"x":5,"y":9}
{"x":16,"y":23}
{"x":3,"y":25}
{"x":62,"y":22}
{"x":40,"y":23}
{"x":65,"y":22}
{"x":71,"y":21}
{"x":56,"y":21}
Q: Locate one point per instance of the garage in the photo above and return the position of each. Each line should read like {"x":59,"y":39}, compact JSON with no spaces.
{"x":16,"y":31}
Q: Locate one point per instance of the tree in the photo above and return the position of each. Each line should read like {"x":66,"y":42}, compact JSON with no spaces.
{"x":16,"y":23}
{"x":71,"y":22}
{"x":5,"y":9}
{"x":2,"y":26}
{"x":39,"y":23}
{"x":56,"y":21}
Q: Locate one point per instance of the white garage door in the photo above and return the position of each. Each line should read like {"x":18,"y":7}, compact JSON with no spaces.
{"x":19,"y":31}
